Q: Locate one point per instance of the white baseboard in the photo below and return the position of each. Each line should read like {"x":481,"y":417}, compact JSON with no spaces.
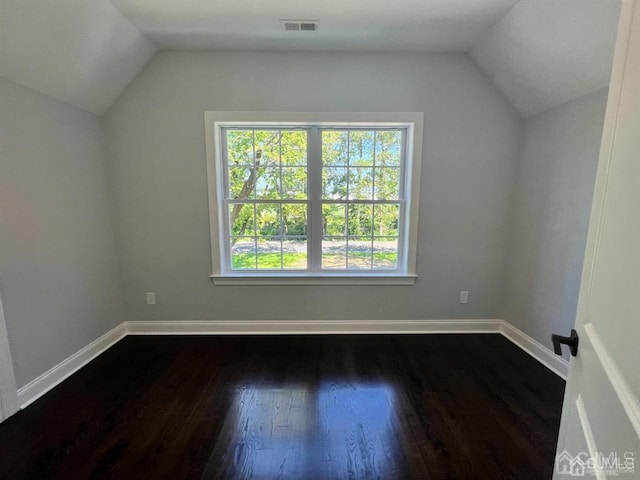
{"x":8,"y":396}
{"x":314,"y":327}
{"x":544,"y":355}
{"x":310,"y":327}
{"x":52,"y":377}
{"x":48,"y":380}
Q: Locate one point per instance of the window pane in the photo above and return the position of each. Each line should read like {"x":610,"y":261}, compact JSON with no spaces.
{"x":386,"y":220}
{"x":269,"y":253}
{"x":267,"y":147}
{"x":335,"y":147}
{"x":294,"y":183}
{"x":241,"y":183}
{"x":360,"y":220}
{"x":294,"y":253}
{"x":294,"y":147}
{"x":240,"y":147}
{"x":387,"y":183}
{"x":334,"y":183}
{"x":361,"y":148}
{"x":294,"y":244}
{"x":385,"y":253}
{"x":388,"y":148}
{"x":359,"y":253}
{"x":241,"y":219}
{"x":243,"y":253}
{"x":268,"y":220}
{"x":334,"y":253}
{"x":267,"y":174}
{"x":360,"y":183}
{"x":268,"y":183}
{"x":294,"y":219}
{"x":334,"y":219}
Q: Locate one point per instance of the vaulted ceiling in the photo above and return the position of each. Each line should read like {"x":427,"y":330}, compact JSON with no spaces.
{"x":344,"y":24}
{"x":546,"y":52}
{"x":540,"y":53}
{"x":83,"y":52}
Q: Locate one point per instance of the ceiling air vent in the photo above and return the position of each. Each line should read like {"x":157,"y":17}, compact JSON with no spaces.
{"x":300,"y":25}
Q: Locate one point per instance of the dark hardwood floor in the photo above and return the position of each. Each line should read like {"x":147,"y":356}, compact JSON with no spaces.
{"x":357,"y":407}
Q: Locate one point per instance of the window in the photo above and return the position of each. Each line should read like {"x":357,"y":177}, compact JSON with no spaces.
{"x":313,"y":198}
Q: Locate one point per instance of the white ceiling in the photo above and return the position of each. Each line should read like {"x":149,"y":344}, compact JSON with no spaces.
{"x":546,"y":52}
{"x":85,"y":52}
{"x":344,"y":24}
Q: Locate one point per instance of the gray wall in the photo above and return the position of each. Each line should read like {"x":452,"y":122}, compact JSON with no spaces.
{"x":551,"y":215}
{"x":58,"y":275}
{"x":157,"y":160}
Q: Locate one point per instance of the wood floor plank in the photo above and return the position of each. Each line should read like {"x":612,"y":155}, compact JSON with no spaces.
{"x":316,"y":407}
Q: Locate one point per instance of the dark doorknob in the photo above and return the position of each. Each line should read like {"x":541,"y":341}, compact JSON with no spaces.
{"x":572,"y":341}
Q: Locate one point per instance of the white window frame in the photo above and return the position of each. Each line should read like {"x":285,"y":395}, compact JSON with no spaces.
{"x":411,"y":121}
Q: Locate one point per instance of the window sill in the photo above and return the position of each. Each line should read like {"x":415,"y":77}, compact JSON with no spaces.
{"x":308,"y":279}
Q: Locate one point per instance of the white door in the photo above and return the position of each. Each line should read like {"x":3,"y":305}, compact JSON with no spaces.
{"x":600,"y":430}
{"x":8,"y":395}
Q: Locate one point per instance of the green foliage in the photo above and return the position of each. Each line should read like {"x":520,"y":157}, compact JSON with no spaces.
{"x":292,"y":260}
{"x":270,"y":164}
{"x":270,"y":261}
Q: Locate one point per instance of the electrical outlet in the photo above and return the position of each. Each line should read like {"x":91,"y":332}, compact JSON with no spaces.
{"x":151,"y":298}
{"x":464,"y":296}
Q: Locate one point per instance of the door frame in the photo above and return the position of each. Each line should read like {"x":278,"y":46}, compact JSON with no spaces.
{"x":8,"y":389}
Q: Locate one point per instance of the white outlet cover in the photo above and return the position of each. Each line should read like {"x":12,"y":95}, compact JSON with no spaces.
{"x":464,"y":296}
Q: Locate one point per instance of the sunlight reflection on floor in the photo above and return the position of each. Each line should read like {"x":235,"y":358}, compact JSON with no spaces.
{"x":304,"y":431}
